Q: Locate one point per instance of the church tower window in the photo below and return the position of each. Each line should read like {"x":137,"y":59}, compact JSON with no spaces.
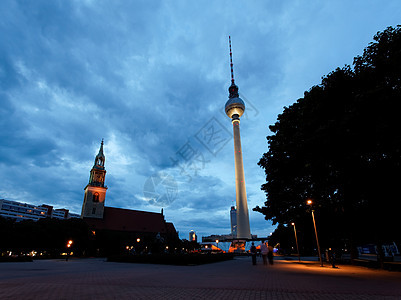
{"x":96,"y":197}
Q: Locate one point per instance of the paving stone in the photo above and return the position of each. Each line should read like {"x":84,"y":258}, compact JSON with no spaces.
{"x":236,"y":279}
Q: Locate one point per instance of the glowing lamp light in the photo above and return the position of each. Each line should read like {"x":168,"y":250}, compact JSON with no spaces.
{"x":138,"y":240}
{"x":309,"y":202}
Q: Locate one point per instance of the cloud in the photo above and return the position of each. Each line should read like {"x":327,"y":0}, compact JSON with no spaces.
{"x":147,"y":77}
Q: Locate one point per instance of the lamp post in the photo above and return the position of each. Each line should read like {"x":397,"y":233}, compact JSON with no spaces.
{"x":138,"y":246}
{"x":296,"y":241}
{"x":310,"y":202}
{"x":68,"y":249}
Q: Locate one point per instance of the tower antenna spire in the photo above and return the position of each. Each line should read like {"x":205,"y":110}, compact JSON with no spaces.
{"x":233,"y":89}
{"x":231,"y":61}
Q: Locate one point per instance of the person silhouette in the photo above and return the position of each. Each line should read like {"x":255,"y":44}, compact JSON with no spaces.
{"x":270,"y":254}
{"x":253,"y":253}
{"x":264,"y":251}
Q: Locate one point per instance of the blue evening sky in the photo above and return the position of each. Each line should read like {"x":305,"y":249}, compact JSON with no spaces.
{"x":151,"y":78}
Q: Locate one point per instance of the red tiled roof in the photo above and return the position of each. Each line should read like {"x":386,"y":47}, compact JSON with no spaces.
{"x":130,"y":220}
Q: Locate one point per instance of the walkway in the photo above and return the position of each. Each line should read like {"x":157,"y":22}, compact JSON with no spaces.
{"x":237,"y":279}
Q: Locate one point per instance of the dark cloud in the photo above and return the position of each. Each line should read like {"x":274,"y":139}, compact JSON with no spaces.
{"x":146,"y":77}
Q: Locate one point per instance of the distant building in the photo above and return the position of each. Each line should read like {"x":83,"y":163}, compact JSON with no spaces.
{"x":143,"y":224}
{"x":226,"y":237}
{"x":192,"y":236}
{"x":23,"y":211}
{"x":219,"y":237}
{"x":233,"y":219}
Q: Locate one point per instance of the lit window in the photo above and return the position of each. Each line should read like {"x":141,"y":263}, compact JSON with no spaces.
{"x":96,"y":197}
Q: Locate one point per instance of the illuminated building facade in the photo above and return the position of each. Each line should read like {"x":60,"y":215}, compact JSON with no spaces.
{"x":234,"y":109}
{"x":23,"y":211}
{"x":192,"y":236}
{"x":214,"y":237}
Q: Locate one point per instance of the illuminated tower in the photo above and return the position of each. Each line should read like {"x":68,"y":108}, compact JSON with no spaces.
{"x":192,"y":236}
{"x":95,"y":191}
{"x":234,"y":108}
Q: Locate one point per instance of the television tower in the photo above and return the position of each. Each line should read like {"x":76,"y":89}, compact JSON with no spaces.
{"x":234,"y":109}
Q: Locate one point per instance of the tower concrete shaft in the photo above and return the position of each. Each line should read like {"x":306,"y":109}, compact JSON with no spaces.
{"x":243,"y":228}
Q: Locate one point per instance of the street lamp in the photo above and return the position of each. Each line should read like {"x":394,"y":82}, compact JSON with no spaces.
{"x":138,"y":247}
{"x":296,"y":241}
{"x":69,"y":243}
{"x":309,"y":202}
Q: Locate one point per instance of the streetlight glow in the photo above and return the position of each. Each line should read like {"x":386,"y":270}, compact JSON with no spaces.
{"x":296,"y":241}
{"x":309,"y":202}
{"x":69,"y":243}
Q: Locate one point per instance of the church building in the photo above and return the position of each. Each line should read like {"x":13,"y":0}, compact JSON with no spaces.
{"x":131,"y":225}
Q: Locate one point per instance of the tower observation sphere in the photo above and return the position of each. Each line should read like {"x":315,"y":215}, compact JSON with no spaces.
{"x":234,"y":108}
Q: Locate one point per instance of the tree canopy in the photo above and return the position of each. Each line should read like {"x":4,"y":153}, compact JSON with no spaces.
{"x":340,"y":146}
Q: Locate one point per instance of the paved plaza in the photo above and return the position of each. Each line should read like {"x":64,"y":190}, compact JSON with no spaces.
{"x":236,"y":279}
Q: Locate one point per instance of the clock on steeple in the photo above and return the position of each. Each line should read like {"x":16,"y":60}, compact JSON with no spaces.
{"x":95,"y":190}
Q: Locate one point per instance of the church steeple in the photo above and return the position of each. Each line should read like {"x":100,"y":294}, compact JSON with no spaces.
{"x":95,"y":190}
{"x":98,"y":171}
{"x":100,"y":158}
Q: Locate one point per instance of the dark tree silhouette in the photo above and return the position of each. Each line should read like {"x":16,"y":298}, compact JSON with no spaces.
{"x":47,"y":235}
{"x":340,"y":145}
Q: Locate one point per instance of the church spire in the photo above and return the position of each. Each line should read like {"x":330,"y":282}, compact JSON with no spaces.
{"x":233,"y":89}
{"x":100,"y":158}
